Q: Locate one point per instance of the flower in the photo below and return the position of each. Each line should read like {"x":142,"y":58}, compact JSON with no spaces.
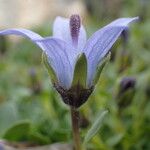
{"x":74,"y":63}
{"x":125,"y":91}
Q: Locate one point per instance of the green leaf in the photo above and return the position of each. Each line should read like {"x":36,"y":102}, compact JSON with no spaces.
{"x":115,"y":139}
{"x":100,"y":68}
{"x":19,"y":131}
{"x":49,"y":68}
{"x":38,"y":138}
{"x":80,"y":72}
{"x":95,"y":127}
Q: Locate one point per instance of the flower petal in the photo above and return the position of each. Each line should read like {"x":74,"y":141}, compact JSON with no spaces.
{"x":62,"y":58}
{"x":23,"y":32}
{"x":61,"y":30}
{"x":101,"y":42}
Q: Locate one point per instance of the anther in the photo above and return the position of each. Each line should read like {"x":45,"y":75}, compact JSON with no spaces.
{"x":75,"y":24}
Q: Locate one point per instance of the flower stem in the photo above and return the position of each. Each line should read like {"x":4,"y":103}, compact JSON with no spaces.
{"x":75,"y":128}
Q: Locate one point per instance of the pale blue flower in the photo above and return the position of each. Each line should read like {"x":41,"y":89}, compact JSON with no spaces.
{"x":69,"y":41}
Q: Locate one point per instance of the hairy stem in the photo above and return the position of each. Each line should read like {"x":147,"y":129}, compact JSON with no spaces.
{"x":75,"y":128}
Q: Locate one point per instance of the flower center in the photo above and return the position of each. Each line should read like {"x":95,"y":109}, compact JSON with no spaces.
{"x":75,"y":24}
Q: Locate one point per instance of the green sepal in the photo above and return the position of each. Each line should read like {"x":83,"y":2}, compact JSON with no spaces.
{"x":100,"y":68}
{"x":50,"y":70}
{"x":80,"y":71}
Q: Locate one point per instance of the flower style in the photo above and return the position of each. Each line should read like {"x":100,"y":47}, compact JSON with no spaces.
{"x":74,"y":63}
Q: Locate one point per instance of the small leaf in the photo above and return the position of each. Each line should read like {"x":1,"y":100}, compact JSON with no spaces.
{"x":18,"y":131}
{"x":112,"y":141}
{"x":95,"y":127}
{"x":80,"y":72}
{"x":38,"y":138}
{"x":49,"y":68}
{"x":100,"y":68}
{"x":8,"y":110}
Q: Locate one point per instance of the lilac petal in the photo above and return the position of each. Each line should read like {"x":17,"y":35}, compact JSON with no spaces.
{"x":100,"y":43}
{"x":61,"y":30}
{"x":25,"y":33}
{"x":62,"y":58}
{"x":61,"y":55}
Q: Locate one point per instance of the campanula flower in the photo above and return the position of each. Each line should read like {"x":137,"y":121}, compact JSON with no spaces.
{"x":74,"y":63}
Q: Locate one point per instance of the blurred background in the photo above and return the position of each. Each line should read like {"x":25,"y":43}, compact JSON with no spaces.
{"x":32,"y":113}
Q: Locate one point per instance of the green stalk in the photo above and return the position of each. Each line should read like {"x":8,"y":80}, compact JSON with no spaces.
{"x":75,"y":128}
